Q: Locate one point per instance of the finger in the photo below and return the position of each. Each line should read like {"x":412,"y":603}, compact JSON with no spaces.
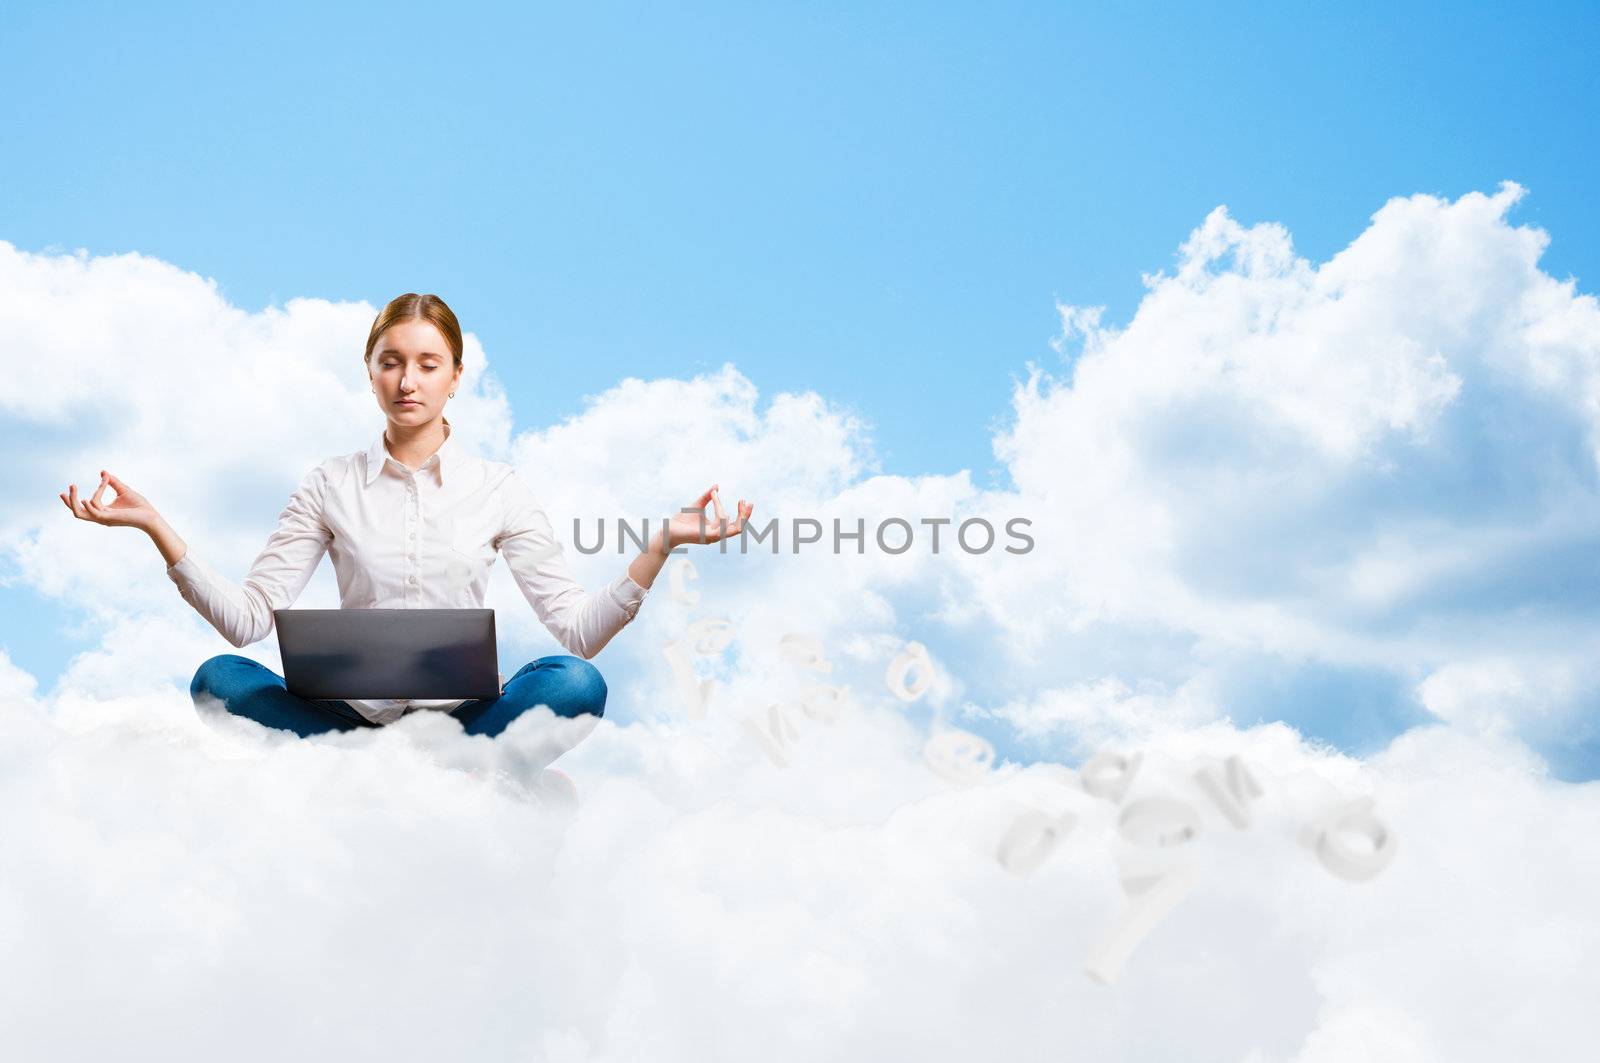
{"x":98,"y":491}
{"x":700,"y":503}
{"x":716,"y":500}
{"x":72,"y":489}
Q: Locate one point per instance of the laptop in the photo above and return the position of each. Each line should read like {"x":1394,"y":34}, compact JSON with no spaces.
{"x":370,"y":654}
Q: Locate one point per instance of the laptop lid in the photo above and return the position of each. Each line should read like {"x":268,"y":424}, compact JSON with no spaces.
{"x":363,"y":654}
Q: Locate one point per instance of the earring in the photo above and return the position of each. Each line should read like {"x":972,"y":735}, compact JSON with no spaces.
{"x":452,"y":395}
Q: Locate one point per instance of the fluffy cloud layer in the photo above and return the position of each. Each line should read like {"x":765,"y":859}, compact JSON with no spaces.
{"x":176,"y":893}
{"x":1378,"y":469}
{"x":1351,"y":497}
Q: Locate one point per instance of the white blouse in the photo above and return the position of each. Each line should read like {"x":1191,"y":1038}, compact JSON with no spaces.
{"x":404,"y":539}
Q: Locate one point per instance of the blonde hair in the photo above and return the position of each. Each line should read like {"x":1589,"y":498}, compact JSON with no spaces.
{"x":411,"y":306}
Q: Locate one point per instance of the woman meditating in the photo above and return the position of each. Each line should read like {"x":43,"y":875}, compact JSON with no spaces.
{"x":412,"y":522}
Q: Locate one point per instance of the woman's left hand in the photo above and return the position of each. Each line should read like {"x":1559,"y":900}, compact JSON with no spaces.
{"x":692,"y":526}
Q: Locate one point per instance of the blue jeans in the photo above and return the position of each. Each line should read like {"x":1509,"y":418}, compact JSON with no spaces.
{"x":570,"y":686}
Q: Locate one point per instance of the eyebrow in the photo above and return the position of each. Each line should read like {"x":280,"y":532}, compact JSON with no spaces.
{"x":390,"y":350}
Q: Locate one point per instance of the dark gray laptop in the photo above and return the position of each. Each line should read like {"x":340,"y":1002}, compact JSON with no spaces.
{"x":367,"y":654}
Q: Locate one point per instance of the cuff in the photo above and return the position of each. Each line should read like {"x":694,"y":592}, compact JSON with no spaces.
{"x":188,"y":572}
{"x":628,"y":594}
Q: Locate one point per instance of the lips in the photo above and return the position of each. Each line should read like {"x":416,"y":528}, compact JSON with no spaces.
{"x":406,"y":403}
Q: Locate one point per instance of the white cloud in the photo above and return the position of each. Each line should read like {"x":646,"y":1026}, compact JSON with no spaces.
{"x":351,"y":894}
{"x":1385,"y":461}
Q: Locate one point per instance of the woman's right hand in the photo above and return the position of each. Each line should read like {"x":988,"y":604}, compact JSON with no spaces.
{"x":130,"y":509}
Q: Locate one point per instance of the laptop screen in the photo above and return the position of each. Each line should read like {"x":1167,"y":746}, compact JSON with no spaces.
{"x":388,"y":653}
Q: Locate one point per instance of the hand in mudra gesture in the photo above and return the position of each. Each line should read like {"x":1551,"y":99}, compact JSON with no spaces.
{"x":692,"y":527}
{"x":129,"y":509}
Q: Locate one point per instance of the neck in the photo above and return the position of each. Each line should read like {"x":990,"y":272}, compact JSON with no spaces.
{"x":411,"y":445}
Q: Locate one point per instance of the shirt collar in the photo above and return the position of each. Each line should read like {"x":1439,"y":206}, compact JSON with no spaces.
{"x":378,"y":455}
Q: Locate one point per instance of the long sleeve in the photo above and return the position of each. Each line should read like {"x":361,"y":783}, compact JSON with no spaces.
{"x":582,"y":622}
{"x":243,"y":615}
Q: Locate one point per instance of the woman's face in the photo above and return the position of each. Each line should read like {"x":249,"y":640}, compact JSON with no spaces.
{"x":411,"y":361}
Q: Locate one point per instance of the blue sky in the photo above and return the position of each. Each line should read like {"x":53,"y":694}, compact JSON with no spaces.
{"x":882,"y":205}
